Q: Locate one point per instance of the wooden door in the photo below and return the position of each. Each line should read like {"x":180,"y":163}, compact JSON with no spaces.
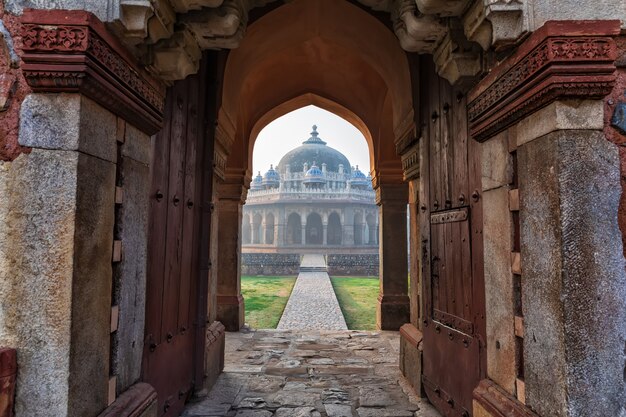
{"x":454,"y":316}
{"x":175,"y":281}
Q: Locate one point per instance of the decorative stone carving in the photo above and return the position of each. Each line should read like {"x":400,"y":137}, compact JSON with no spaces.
{"x":416,"y":33}
{"x":442,"y":7}
{"x":177,"y":57}
{"x":456,"y":58}
{"x":568,"y":59}
{"x":72,"y":51}
{"x":134,"y":15}
{"x":161,"y":24}
{"x":223,"y":27}
{"x":183,"y":6}
{"x":496,"y":22}
{"x":411,"y":162}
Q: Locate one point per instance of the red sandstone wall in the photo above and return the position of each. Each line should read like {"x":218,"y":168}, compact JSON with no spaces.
{"x":12,"y":85}
{"x":618,"y":95}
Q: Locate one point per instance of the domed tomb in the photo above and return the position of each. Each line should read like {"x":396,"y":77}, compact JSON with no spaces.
{"x":313,"y":149}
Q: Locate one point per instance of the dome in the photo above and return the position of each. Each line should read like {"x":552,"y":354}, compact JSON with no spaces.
{"x":314,"y":175}
{"x":358,"y":178}
{"x":271,"y":178}
{"x":257,"y":182}
{"x":313,"y":149}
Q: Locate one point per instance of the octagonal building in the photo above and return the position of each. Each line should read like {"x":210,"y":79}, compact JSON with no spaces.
{"x":313,"y":201}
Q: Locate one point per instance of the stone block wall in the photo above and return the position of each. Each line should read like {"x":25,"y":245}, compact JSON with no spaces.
{"x":358,"y":265}
{"x":270,"y":264}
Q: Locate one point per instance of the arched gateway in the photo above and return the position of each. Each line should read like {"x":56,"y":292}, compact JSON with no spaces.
{"x":119,"y":253}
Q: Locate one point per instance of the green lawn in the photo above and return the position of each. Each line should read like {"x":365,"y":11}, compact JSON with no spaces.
{"x":265,"y":299}
{"x":357,"y":297}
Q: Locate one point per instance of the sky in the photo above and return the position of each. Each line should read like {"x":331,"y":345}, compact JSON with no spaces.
{"x":289,"y":131}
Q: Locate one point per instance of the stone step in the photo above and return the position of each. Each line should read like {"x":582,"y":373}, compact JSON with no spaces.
{"x":313,"y":269}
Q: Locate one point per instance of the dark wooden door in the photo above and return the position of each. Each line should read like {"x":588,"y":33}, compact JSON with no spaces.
{"x":175,"y":280}
{"x":454,"y":317}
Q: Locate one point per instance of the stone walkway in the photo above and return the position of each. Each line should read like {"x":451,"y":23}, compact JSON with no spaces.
{"x":313,"y":304}
{"x":272,"y":373}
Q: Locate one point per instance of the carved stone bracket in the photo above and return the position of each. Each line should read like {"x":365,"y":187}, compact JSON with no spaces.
{"x":561,"y":60}
{"x":497,"y":23}
{"x":456,"y":58}
{"x":71,"y":51}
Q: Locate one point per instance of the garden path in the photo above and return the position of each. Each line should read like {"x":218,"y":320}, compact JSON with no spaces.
{"x":313,"y":304}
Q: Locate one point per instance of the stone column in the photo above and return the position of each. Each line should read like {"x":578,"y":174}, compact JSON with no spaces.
{"x":325,"y":234}
{"x":393,"y":301}
{"x":414,"y":264}
{"x":304,"y":231}
{"x":574,"y":283}
{"x":56,"y":246}
{"x":254,"y":231}
{"x":230,"y":304}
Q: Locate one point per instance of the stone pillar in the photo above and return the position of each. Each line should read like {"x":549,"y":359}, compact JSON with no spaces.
{"x":230,"y":304}
{"x":393,"y":301}
{"x":56,"y":246}
{"x":414,"y":250}
{"x":325,"y":234}
{"x":304,"y":231}
{"x":574,"y":283}
{"x":254,"y":231}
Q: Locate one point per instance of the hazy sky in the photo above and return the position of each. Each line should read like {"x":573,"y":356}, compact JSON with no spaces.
{"x":289,"y":131}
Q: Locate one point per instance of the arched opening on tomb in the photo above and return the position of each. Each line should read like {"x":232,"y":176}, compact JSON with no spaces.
{"x":372,"y":229}
{"x":246,"y":230}
{"x":257,"y":232}
{"x":335,"y":230}
{"x":314,"y":229}
{"x":358,"y":227}
{"x":294,"y":229}
{"x":269,"y":229}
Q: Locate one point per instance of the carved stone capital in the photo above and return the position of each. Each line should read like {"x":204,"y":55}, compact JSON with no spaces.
{"x":72,"y":51}
{"x":561,"y":60}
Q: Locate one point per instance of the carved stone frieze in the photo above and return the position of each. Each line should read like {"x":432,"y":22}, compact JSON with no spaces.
{"x":71,"y":51}
{"x":411,"y":162}
{"x":566,"y":59}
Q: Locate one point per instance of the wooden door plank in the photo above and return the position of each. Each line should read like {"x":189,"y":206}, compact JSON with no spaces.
{"x":175,"y":213}
{"x":157,"y":225}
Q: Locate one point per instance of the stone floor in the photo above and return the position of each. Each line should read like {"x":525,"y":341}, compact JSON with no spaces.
{"x":272,"y":373}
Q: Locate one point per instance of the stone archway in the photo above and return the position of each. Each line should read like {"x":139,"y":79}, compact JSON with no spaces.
{"x":294,"y":229}
{"x":314,"y":229}
{"x":335,"y":231}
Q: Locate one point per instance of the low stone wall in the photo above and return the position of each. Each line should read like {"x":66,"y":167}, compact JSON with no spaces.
{"x":347,"y":265}
{"x":270,"y":264}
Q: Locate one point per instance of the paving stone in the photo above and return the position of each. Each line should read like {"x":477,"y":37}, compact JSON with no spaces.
{"x":297,"y":412}
{"x":312,"y":374}
{"x":378,"y":412}
{"x":338,"y":410}
{"x":254,"y":413}
{"x":374,"y":397}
